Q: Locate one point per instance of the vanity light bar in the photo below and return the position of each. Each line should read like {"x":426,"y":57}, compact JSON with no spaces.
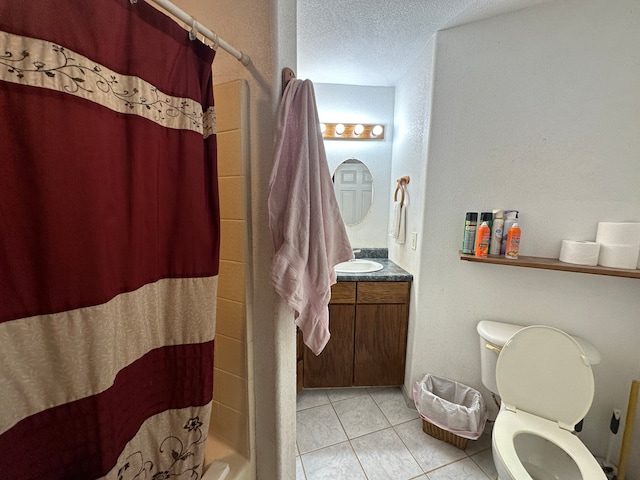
{"x":348,"y":131}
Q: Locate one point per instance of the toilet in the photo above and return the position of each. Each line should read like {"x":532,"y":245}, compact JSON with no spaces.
{"x":545,"y":383}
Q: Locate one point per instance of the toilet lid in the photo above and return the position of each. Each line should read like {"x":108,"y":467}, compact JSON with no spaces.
{"x":543,"y":371}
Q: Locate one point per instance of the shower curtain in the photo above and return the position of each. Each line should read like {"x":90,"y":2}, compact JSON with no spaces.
{"x":109,"y":242}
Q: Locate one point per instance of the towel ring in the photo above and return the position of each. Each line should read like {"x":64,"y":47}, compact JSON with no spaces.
{"x":395,"y":194}
{"x":404,"y":180}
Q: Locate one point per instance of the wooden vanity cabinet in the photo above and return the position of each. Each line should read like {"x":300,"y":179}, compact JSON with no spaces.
{"x":382,"y":313}
{"x":368,"y":323}
{"x":334,"y":366}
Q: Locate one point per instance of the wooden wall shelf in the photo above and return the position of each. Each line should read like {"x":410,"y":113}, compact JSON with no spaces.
{"x":552,"y":264}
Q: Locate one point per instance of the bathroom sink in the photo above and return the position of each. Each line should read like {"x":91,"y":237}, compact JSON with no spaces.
{"x":358,"y":266}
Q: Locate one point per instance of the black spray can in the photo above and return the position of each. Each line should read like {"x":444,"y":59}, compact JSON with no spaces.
{"x":486,"y":217}
{"x":469,"y":238}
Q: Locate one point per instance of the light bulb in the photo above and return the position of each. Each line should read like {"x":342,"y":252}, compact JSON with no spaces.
{"x":377,"y":130}
{"x":339,"y":129}
{"x":358,"y":129}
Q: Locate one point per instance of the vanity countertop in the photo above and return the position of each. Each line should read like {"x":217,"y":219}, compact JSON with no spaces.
{"x":389,"y":273}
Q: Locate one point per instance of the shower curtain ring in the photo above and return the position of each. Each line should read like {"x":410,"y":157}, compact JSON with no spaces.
{"x":216,"y":41}
{"x":193,"y":34}
{"x":133,"y":2}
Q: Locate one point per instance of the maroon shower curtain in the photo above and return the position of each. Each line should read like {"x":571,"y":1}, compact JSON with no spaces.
{"x":109,"y":242}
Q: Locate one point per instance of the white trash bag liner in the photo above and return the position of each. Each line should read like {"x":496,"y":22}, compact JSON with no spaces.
{"x":450,"y":405}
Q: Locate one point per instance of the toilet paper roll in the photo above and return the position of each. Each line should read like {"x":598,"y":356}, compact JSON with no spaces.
{"x":580,"y":253}
{"x":623,"y":233}
{"x":619,"y":256}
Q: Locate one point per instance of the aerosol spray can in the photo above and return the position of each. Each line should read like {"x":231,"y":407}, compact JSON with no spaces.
{"x":496,"y":232}
{"x":469,"y":237}
{"x":483,"y":237}
{"x":486,"y":217}
{"x":513,"y":242}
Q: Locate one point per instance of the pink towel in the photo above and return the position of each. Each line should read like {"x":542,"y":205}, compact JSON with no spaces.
{"x":309,"y":236}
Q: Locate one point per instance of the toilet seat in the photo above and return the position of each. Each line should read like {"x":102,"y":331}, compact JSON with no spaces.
{"x":546,"y":385}
{"x":543,"y":371}
{"x":510,"y":424}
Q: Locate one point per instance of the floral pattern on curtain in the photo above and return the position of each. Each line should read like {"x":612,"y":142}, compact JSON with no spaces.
{"x":109,"y":243}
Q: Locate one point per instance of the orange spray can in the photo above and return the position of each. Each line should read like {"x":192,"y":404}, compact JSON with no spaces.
{"x":483,"y":237}
{"x":513,"y":242}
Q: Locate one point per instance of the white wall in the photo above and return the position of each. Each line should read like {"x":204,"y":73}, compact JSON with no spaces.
{"x":412,"y":117}
{"x":537,"y":110}
{"x":410,"y":143}
{"x":360,"y":104}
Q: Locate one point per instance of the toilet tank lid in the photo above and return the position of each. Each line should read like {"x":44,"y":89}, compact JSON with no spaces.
{"x":499,"y":332}
{"x":590,"y":351}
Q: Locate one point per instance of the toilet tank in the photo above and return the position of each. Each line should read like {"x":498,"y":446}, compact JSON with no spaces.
{"x":493,"y":336}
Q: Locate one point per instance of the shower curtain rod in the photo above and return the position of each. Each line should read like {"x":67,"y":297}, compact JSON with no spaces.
{"x":199,"y":28}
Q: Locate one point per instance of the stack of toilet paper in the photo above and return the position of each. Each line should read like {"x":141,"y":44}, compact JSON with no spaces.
{"x":619,"y":244}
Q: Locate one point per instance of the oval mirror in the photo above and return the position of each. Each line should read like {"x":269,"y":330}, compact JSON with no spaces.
{"x":353,"y":184}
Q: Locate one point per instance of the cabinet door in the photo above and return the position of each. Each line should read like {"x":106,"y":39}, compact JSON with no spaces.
{"x":334,"y":366}
{"x":380,"y":344}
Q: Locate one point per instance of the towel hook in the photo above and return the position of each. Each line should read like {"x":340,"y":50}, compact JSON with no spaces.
{"x":287,"y":76}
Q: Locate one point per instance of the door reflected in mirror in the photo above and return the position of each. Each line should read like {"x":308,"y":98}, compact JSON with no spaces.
{"x":353,"y":184}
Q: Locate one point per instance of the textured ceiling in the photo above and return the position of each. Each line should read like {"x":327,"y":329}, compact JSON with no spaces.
{"x":372,"y":42}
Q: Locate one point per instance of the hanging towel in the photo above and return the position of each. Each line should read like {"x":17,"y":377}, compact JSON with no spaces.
{"x":394,"y":229}
{"x":402,"y":224}
{"x":308,"y":233}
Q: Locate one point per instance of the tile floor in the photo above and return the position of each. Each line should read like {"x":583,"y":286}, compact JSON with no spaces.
{"x":371,"y":434}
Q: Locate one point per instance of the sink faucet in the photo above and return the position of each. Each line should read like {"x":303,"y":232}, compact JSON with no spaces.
{"x":355,"y":251}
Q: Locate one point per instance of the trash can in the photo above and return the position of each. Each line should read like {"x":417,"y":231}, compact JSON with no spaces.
{"x":450,"y":411}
